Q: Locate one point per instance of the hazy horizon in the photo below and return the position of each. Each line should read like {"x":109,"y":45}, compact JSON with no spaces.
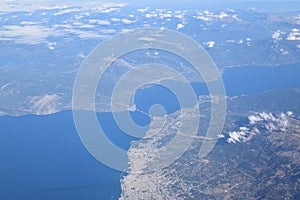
{"x":263,"y":6}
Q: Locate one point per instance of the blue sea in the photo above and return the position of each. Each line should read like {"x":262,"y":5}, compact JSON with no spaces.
{"x":41,"y":157}
{"x":237,"y":81}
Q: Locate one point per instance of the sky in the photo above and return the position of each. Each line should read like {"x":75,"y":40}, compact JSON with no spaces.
{"x":261,"y":5}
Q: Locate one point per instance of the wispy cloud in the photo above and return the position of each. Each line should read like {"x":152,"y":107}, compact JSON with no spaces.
{"x":29,"y":34}
{"x":32,"y":5}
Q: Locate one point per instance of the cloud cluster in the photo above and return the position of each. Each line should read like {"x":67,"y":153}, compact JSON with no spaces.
{"x":238,"y":136}
{"x":208,"y":16}
{"x":270,"y":121}
{"x":277,"y":35}
{"x":32,"y":32}
{"x":260,"y":122}
{"x":127,"y":21}
{"x":64,"y":6}
{"x":294,"y":35}
{"x":28,"y":34}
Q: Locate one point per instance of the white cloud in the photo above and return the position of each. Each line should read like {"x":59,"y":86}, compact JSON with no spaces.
{"x":100,"y":22}
{"x":208,"y":13}
{"x":165,"y":15}
{"x":297,"y":19}
{"x":51,"y":45}
{"x":235,"y":17}
{"x":179,"y":16}
{"x":270,"y":126}
{"x":31,"y":33}
{"x":20,"y":5}
{"x":107,"y":31}
{"x":254,"y":119}
{"x":210,"y":44}
{"x":142,"y":10}
{"x":237,"y":136}
{"x":127,"y":21}
{"x":223,"y":15}
{"x":27,"y":34}
{"x":29,"y":23}
{"x":267,"y":116}
{"x":179,"y":26}
{"x":203,"y":18}
{"x":231,"y":41}
{"x":64,"y":26}
{"x":244,"y":128}
{"x":260,"y":122}
{"x":115,"y":19}
{"x":230,"y":140}
{"x":85,"y":34}
{"x":33,"y":5}
{"x":208,"y":16}
{"x":66,"y":11}
{"x":290,"y":113}
{"x":151,"y":15}
{"x":80,"y":55}
{"x":294,"y":35}
{"x":131,"y":16}
{"x":278,"y":35}
{"x":108,"y":10}
{"x":256,"y":130}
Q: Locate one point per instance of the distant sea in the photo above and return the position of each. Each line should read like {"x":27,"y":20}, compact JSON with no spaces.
{"x":41,"y":157}
{"x":237,"y":81}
